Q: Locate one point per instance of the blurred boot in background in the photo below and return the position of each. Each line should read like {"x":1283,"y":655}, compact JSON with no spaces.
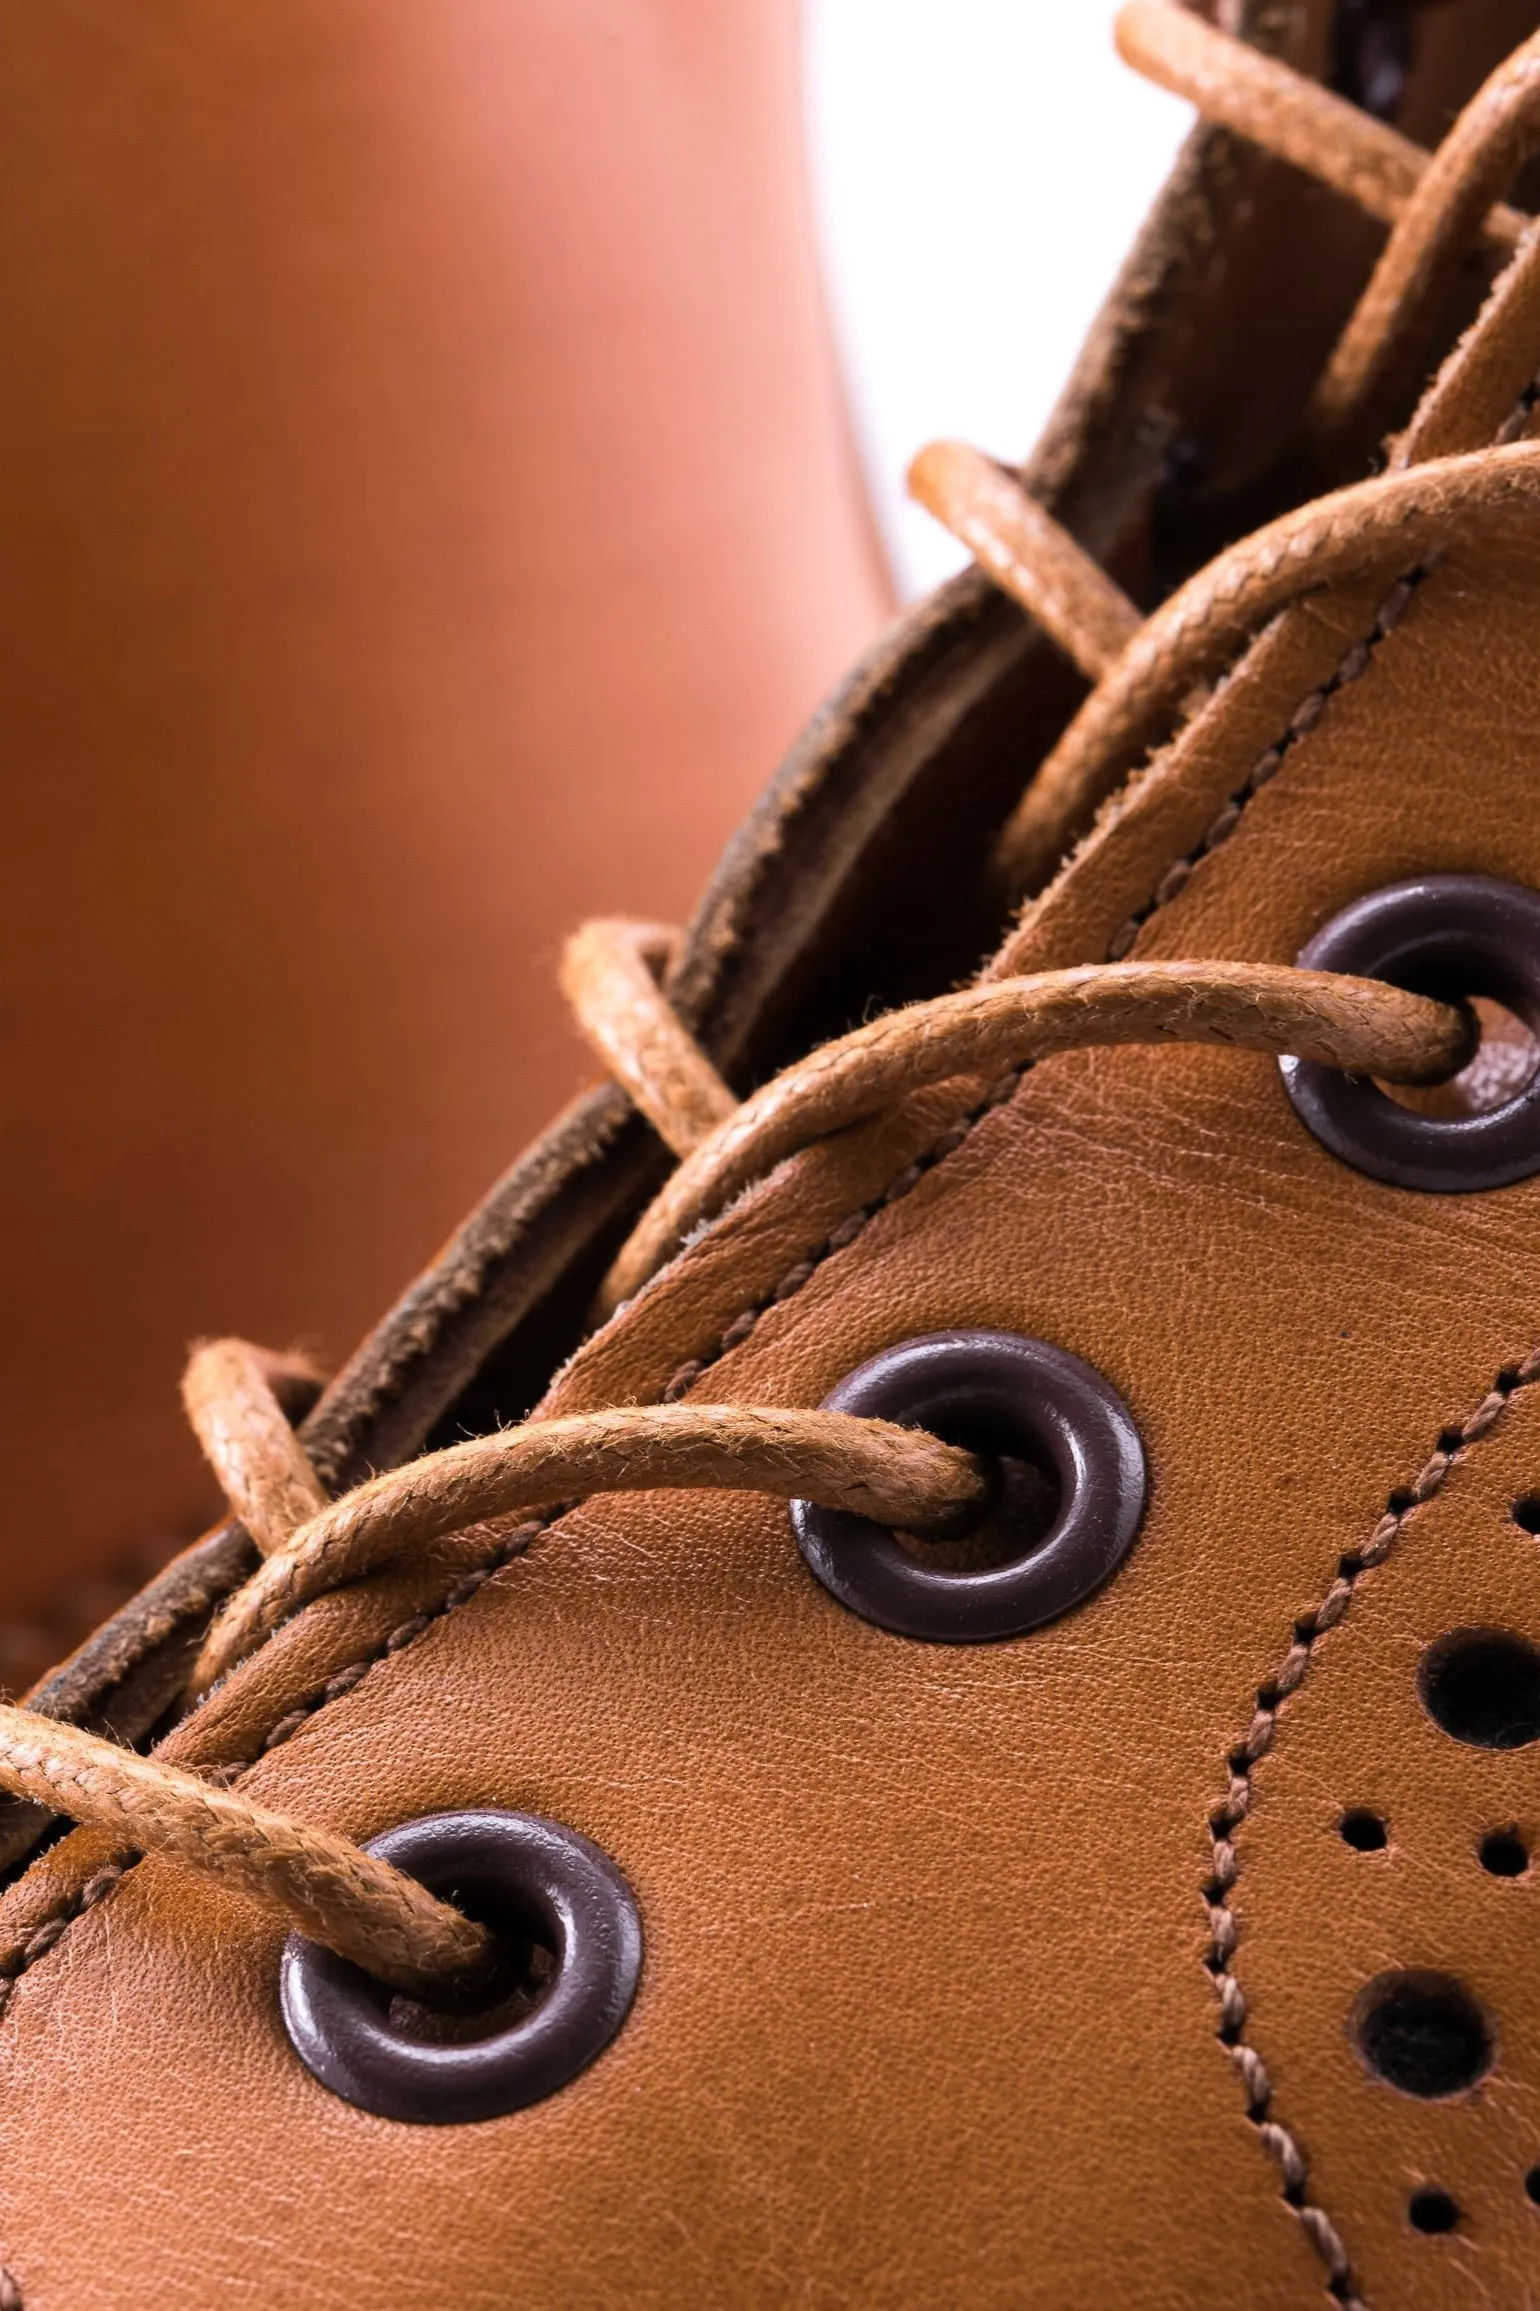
{"x":429,"y":514}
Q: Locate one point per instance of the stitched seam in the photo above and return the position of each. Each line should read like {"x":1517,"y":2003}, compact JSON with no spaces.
{"x":838,"y":1239}
{"x":1354,"y":663}
{"x":1351,"y":667}
{"x":1277,"y":2140}
{"x":46,"y":1936}
{"x":508,"y":1547}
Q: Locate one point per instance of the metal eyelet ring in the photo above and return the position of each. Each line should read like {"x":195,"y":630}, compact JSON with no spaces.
{"x":1000,"y":1394}
{"x":1452,"y":936}
{"x":401,"y":2061}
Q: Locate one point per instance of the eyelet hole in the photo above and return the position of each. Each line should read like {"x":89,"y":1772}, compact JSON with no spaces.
{"x":1504,"y":1063}
{"x":1432,"y":2211}
{"x":1482,"y":1687}
{"x":525,"y":1958}
{"x":1364,"y":1831}
{"x":568,"y":1957}
{"x":1061,"y":1512}
{"x":1465,"y":939}
{"x":1018,"y":1514}
{"x":1423,"y":2034}
{"x":1503,"y":1854}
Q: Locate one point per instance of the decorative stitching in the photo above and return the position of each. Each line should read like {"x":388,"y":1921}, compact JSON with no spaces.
{"x":506,"y":1548}
{"x":1226,"y":1818}
{"x":999,"y":1095}
{"x":45,"y":1937}
{"x":1281,"y":2145}
{"x":1353,"y":664}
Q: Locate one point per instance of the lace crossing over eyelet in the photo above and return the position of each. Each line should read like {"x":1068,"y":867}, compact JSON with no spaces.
{"x":572,"y":1948}
{"x":1453,"y":937}
{"x":1017,"y":1400}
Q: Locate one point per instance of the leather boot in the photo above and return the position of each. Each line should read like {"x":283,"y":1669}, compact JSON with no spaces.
{"x":912,"y":1674}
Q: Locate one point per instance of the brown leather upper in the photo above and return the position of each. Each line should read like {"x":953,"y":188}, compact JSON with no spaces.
{"x":925,"y":2015}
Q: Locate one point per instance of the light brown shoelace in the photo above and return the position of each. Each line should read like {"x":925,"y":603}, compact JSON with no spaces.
{"x":1144,"y":669}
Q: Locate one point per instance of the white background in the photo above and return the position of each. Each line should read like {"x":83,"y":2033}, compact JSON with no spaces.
{"x":980,"y":168}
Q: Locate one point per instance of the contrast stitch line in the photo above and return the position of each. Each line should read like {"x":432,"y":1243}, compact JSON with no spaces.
{"x":1280,"y":2144}
{"x":1354,"y":664}
{"x":1351,"y":667}
{"x":52,"y":1930}
{"x":516,"y":1544}
{"x":46,"y":1936}
{"x":999,"y":1095}
{"x":508,"y":1547}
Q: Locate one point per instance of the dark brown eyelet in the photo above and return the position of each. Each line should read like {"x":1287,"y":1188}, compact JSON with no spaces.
{"x":1013,"y":1399}
{"x":551,"y":1897}
{"x":1451,"y":936}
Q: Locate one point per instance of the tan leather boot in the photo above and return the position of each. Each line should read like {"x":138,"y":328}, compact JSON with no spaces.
{"x":1079,"y":1851}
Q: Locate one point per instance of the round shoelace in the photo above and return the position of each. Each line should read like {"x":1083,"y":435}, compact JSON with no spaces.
{"x":1144,"y":669}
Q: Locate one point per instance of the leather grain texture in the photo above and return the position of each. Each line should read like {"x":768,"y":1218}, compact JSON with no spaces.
{"x":1318,"y":1919}
{"x":924,"y":2015}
